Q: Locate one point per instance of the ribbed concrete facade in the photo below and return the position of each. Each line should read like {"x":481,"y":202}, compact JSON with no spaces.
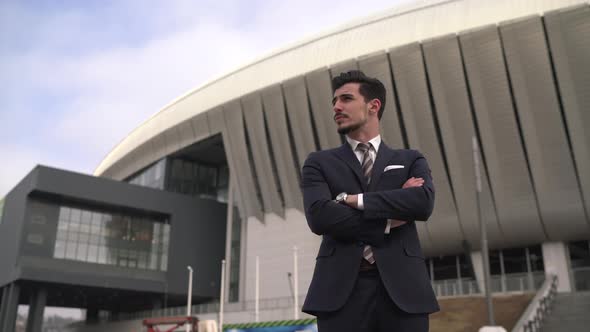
{"x":514,"y":74}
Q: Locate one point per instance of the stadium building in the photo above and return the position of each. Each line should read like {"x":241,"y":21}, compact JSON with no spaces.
{"x":215,"y":174}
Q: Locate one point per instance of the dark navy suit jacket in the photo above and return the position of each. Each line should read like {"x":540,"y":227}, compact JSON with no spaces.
{"x":345,"y":230}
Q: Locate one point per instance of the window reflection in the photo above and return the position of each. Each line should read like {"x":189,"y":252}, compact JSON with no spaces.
{"x":152,"y":177}
{"x":111,"y":238}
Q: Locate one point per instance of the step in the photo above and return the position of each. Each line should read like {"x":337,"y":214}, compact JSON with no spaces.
{"x":565,"y":327}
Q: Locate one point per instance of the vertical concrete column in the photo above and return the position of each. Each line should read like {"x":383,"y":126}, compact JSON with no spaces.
{"x":12,"y":293}
{"x":4,"y":294}
{"x":556,"y":260}
{"x":36,"y":310}
{"x":477,"y":261}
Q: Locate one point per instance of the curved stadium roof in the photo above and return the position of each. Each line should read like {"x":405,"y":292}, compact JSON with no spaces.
{"x":454,"y":69}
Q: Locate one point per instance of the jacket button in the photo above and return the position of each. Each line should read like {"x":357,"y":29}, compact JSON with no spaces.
{"x":360,"y":243}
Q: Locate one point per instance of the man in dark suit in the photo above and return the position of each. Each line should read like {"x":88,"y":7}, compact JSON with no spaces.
{"x":363,"y":198}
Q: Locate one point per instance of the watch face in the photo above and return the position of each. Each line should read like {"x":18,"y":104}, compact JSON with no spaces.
{"x":341,"y":197}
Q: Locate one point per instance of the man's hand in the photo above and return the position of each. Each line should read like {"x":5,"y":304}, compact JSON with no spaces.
{"x":352,"y":200}
{"x":412,"y":182}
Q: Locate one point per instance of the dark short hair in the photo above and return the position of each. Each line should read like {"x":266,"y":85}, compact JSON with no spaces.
{"x":370,"y":88}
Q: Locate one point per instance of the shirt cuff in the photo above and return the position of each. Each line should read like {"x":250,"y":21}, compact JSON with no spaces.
{"x":359,"y":202}
{"x":388,"y":227}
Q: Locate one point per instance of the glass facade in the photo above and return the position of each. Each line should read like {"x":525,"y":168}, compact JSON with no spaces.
{"x":112,"y":239}
{"x":186,"y":177}
{"x":152,"y":177}
{"x":195,"y":179}
{"x":234,"y":274}
{"x":580,"y":264}
{"x":449,"y":267}
{"x":516,"y":260}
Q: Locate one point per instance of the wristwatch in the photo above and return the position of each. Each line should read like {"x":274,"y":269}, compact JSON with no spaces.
{"x":341,"y":198}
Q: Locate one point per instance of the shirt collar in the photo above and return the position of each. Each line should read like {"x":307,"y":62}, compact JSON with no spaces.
{"x":375,"y":142}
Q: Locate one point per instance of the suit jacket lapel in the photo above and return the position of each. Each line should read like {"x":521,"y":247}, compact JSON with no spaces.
{"x":383,"y":156}
{"x":345,"y":153}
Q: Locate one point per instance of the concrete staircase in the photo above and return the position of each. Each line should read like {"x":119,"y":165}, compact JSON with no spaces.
{"x":469,"y":313}
{"x":570,"y":312}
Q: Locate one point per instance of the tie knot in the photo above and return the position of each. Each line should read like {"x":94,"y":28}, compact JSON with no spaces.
{"x":364,"y":147}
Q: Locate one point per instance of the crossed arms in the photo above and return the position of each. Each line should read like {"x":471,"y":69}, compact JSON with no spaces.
{"x":345,"y":223}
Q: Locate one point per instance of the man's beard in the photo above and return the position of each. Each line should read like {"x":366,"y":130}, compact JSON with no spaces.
{"x":352,"y":127}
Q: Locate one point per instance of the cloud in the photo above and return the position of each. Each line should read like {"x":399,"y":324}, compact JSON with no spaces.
{"x":77,"y":80}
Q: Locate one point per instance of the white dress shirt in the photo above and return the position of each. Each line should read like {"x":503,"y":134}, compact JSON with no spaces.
{"x":375,"y":142}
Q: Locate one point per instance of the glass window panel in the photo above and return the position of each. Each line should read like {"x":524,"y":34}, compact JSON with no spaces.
{"x":71,"y":250}
{"x":95,"y":229}
{"x":466,"y":269}
{"x":495,"y":268}
{"x":86,"y":217}
{"x":536,"y":257}
{"x":84,"y":228}
{"x":92,"y":254}
{"x":61,"y":236}
{"x":62,"y":226}
{"x":159,"y":169}
{"x":106,"y":219}
{"x":60,"y":249}
{"x":96,"y":218}
{"x":132,"y":261}
{"x":164,"y":265}
{"x":72,"y":237}
{"x":102,"y":255}
{"x":103,"y":240}
{"x":64,"y":213}
{"x":83,"y":238}
{"x":223,"y":178}
{"x":82,"y":251}
{"x":445,"y":267}
{"x":579,"y":254}
{"x":75,"y":215}
{"x":73,"y":227}
{"x":142,"y":262}
{"x":154,"y":262}
{"x":514,"y":260}
{"x":94,"y":239}
{"x":112,"y":256}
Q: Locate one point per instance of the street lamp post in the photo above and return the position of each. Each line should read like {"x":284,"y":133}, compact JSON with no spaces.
{"x":222,"y":295}
{"x":484,"y":237}
{"x":257,"y":292}
{"x":295,"y":285}
{"x":189,"y":297}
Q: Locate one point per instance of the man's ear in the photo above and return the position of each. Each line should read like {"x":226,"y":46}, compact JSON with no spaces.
{"x":375,"y":106}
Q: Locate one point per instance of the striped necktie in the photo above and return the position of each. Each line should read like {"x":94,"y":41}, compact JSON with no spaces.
{"x":367,"y":164}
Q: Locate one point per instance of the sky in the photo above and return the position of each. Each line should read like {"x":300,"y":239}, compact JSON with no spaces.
{"x":76,"y":77}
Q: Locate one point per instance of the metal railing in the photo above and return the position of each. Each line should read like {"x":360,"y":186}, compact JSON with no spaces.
{"x":213,"y":307}
{"x":442,"y":288}
{"x":539,"y":308}
{"x":521,"y":282}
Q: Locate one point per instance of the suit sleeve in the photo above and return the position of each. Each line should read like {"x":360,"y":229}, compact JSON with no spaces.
{"x":326,"y":217}
{"x":404,"y":204}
